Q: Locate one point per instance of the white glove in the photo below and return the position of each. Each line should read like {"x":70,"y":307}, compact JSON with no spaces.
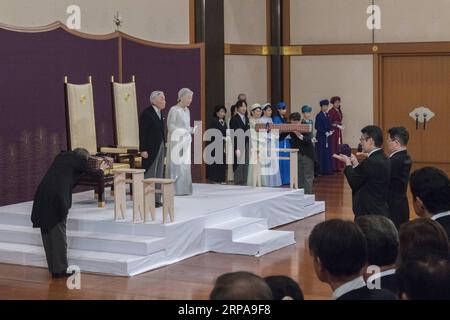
{"x":327,"y":134}
{"x":314,"y":140}
{"x":194,"y":129}
{"x":341,"y":127}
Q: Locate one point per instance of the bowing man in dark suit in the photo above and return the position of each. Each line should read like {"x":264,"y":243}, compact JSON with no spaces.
{"x":369,"y":180}
{"x":152,"y":139}
{"x":240,"y":124}
{"x":52,"y":202}
{"x":400,"y":167}
{"x":382,"y":250}
{"x":339,"y":252}
{"x":430,"y":188}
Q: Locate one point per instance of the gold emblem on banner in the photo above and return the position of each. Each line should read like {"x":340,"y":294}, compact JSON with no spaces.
{"x":127,"y":97}
{"x":83,"y":99}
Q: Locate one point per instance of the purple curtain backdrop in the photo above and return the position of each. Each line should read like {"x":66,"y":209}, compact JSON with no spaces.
{"x":32,"y":111}
{"x":167,"y":70}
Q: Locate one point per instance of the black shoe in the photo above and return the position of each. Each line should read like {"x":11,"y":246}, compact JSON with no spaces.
{"x":58,"y":275}
{"x":158,"y":204}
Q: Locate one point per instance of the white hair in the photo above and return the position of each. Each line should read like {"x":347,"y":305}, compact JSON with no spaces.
{"x":184,"y":92}
{"x":154,"y":95}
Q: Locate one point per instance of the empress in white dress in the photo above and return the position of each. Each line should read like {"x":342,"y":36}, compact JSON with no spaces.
{"x":178,"y":165}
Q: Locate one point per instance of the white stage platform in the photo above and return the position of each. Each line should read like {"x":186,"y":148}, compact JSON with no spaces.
{"x":219,"y":218}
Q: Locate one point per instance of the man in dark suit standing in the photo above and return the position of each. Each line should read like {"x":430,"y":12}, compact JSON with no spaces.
{"x":152,"y":139}
{"x":369,"y":180}
{"x":52,"y":202}
{"x":400,"y":167}
{"x":430,"y":188}
{"x":240,"y":124}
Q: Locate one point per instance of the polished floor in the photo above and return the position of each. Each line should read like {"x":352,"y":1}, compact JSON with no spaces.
{"x":192,"y":278}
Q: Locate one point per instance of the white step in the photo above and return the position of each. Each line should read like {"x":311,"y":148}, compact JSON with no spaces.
{"x":89,"y":225}
{"x":256,"y":244}
{"x":309,"y":199}
{"x":236,"y":228}
{"x":88,"y":261}
{"x":104,"y":242}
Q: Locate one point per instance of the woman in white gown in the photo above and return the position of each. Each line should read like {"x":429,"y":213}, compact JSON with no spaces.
{"x":270,"y":171}
{"x":178,"y":164}
{"x":255,"y":117}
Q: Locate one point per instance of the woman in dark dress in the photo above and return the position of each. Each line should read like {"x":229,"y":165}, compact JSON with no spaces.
{"x":215,"y":172}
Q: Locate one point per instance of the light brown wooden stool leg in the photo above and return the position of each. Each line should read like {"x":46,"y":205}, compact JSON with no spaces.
{"x":293,"y":170}
{"x":170,"y":198}
{"x":138,"y":197}
{"x":120,"y":200}
{"x":149,"y":201}
{"x":166,"y":205}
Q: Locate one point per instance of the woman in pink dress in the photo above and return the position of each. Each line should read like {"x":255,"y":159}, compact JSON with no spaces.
{"x":335,"y":114}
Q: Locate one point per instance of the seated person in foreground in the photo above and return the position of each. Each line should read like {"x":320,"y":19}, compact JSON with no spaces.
{"x":240,"y":285}
{"x":382,"y":249}
{"x":425,"y":276}
{"x":430,"y":188}
{"x":339,"y":252}
{"x":284,"y":288}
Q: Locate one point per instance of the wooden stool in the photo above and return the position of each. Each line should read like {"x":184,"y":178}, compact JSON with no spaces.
{"x":293,"y":159}
{"x":167,"y":190}
{"x":293,"y":162}
{"x":120,"y":197}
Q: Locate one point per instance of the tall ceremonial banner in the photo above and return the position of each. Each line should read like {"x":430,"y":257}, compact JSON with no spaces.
{"x":33,"y":63}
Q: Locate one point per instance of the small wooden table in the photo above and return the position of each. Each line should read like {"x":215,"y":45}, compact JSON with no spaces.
{"x":293,"y":159}
{"x":167,"y":189}
{"x":120,"y":197}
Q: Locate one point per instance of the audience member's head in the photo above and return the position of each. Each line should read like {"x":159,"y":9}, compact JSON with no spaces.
{"x":397,"y":139}
{"x":339,"y":250}
{"x":430,"y":188}
{"x":422,"y":235}
{"x":425,"y":276}
{"x":371,"y":138}
{"x":382,"y":239}
{"x":284,"y":288}
{"x":240,"y":286}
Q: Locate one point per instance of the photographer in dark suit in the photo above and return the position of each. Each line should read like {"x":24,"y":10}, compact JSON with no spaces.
{"x":400,"y":167}
{"x":152,"y":139}
{"x":369,"y":180}
{"x":52,"y":202}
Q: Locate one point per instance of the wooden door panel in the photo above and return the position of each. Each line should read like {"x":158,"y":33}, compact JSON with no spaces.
{"x":412,"y":81}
